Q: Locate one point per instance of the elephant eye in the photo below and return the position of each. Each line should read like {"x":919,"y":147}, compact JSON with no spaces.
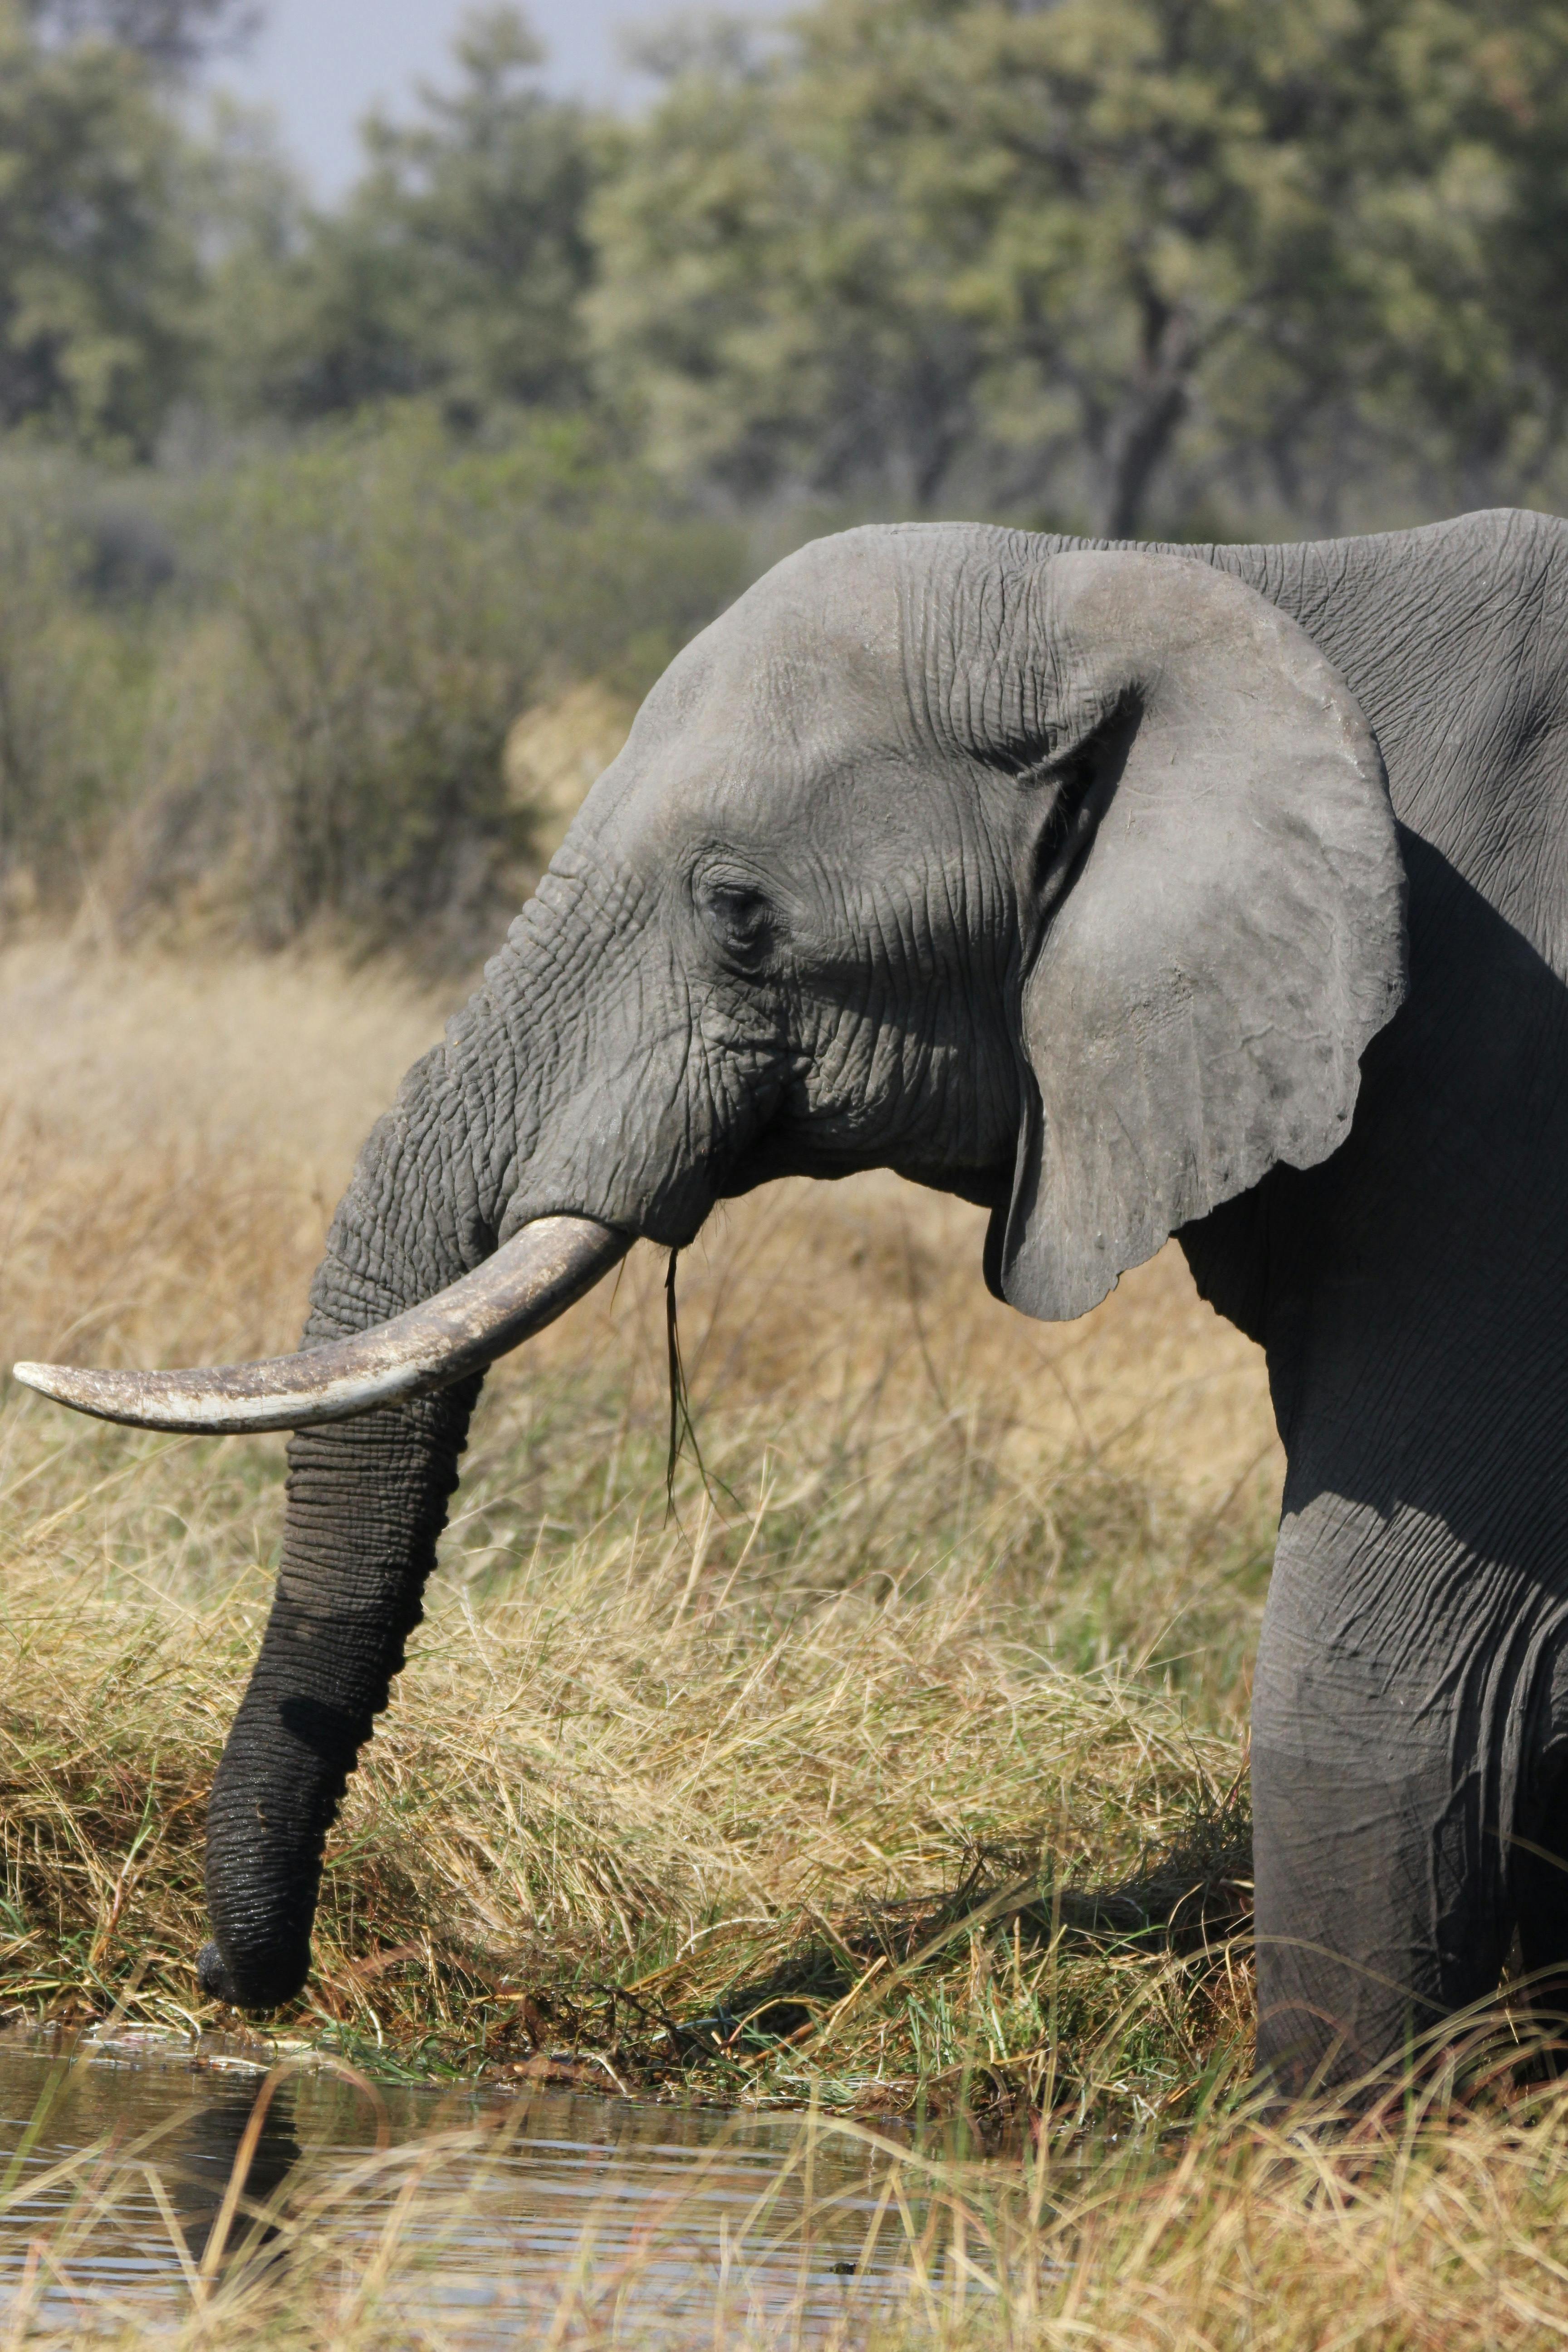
{"x":739,"y":916}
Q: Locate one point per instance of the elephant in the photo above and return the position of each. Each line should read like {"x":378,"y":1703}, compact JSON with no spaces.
{"x":1126,"y":891}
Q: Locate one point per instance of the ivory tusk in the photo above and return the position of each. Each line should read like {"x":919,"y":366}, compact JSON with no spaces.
{"x":529,"y":1281}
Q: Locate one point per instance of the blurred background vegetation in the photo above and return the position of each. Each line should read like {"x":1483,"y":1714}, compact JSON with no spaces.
{"x":303,"y":511}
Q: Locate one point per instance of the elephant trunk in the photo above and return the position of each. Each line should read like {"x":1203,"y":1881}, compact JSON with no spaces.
{"x":519,"y":1162}
{"x":367,"y":1500}
{"x":431,"y":1200}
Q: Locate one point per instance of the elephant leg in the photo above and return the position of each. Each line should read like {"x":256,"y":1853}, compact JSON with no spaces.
{"x":1382,"y":1902}
{"x":1539,"y":1868}
{"x":1540,"y":1881}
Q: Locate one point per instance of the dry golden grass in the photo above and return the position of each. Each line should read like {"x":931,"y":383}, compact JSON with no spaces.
{"x":966,"y":1602}
{"x":1432,"y":2227}
{"x":899,"y":1770}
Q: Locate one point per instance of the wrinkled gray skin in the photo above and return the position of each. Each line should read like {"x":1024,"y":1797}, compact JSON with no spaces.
{"x":1068,"y":881}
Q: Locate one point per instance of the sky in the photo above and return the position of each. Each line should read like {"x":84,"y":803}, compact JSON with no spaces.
{"x":321,"y":64}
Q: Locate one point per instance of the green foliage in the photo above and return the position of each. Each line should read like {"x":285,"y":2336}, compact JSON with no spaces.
{"x":71,"y":699}
{"x":927,"y":244}
{"x":1125,"y":264}
{"x":770,"y":312}
{"x":1202,"y":266}
{"x":99,"y":279}
{"x":1463,"y":233}
{"x":280,"y":697}
{"x":455,"y":267}
{"x":371,"y":612}
{"x":383,"y":668}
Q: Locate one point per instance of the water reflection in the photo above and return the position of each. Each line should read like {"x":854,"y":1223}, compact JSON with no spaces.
{"x":218,"y":2150}
{"x":652,"y":2217}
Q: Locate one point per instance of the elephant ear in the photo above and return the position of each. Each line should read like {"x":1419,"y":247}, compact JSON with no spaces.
{"x":1216,"y":937}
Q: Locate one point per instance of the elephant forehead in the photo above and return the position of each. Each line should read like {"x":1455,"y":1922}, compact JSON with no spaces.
{"x":889,"y":631}
{"x":784,"y":736}
{"x":824,"y":630}
{"x":764,"y":787}
{"x":835,"y":600}
{"x":816,"y":680}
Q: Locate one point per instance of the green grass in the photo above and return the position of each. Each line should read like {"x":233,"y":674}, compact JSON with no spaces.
{"x":726,"y":1795}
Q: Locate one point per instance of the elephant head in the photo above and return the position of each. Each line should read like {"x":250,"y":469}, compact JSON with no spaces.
{"x":1063,"y":880}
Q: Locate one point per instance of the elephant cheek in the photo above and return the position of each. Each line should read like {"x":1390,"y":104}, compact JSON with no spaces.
{"x":646,"y":1149}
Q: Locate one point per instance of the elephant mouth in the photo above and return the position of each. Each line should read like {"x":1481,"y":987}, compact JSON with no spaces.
{"x":789,"y":1148}
{"x":528,"y":1282}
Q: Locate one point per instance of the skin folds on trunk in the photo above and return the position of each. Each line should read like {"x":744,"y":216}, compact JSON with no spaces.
{"x":459,"y":1176}
{"x":367,"y":1500}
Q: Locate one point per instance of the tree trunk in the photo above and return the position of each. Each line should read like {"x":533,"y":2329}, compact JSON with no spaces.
{"x":1138,"y":449}
{"x":1141,"y":438}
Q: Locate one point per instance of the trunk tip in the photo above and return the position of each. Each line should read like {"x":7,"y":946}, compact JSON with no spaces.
{"x":217,"y":1981}
{"x":213,"y":1977}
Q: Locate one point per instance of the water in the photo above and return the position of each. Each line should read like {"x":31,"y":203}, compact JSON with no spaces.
{"x":500,"y":2205}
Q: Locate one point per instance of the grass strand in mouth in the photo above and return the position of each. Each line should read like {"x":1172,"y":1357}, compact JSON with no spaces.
{"x":682,"y":1428}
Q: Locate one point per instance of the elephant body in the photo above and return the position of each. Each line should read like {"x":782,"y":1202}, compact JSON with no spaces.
{"x":1410,"y":1710}
{"x":1069,"y":879}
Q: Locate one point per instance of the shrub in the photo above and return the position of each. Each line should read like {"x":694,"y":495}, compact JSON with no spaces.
{"x":69,"y":699}
{"x":394,"y":604}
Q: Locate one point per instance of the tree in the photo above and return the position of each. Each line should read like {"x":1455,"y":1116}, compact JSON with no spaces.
{"x":455,"y":267}
{"x":1463,"y":234}
{"x":98,"y":276}
{"x":172,"y":34}
{"x":1127,"y":231}
{"x":772,"y":311}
